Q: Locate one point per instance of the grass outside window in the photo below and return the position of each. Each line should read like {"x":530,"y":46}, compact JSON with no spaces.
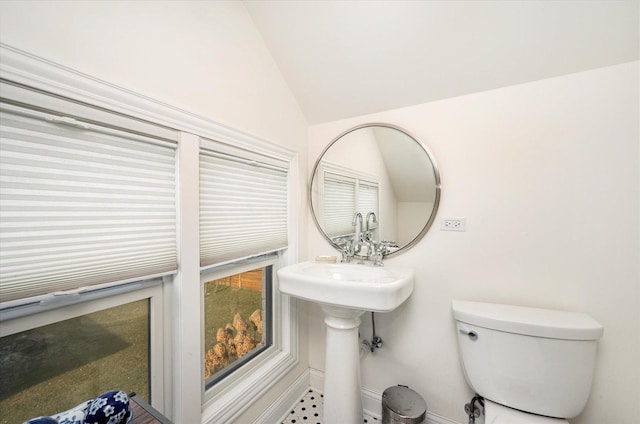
{"x":50,"y":369}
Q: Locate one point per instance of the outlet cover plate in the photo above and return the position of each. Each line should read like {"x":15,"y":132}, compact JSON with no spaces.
{"x":453,"y":224}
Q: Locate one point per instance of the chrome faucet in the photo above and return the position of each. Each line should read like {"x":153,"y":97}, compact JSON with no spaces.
{"x":368,"y":238}
{"x":357,"y":237}
{"x":352,"y":248}
{"x":375,"y":219}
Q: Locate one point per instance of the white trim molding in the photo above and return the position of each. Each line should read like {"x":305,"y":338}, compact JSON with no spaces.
{"x":280,"y":409}
{"x":36,"y":72}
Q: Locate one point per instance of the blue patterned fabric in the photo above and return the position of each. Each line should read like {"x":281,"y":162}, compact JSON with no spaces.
{"x":74,"y":415}
{"x":109,"y":408}
{"x":42,"y":420}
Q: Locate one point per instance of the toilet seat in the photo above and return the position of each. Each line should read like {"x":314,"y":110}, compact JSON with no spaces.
{"x":499,"y":414}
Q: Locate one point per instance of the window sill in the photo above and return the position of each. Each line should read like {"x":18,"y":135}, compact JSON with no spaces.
{"x":230,"y":402}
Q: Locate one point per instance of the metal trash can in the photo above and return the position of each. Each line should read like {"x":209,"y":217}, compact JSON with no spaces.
{"x":401,"y":405}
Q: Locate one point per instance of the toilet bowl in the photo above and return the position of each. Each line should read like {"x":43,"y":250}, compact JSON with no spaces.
{"x":532,"y":366}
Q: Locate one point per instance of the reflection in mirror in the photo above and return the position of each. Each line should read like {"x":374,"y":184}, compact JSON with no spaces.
{"x":385,"y":175}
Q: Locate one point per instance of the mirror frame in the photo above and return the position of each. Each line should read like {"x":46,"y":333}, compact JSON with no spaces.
{"x":436,"y":172}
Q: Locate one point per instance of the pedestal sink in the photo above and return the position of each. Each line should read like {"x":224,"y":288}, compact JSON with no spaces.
{"x":345,"y":291}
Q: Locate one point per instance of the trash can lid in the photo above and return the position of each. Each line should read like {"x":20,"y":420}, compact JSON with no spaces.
{"x":404,"y":402}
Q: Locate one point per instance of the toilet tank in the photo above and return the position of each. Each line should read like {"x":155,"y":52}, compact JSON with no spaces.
{"x":536,"y":360}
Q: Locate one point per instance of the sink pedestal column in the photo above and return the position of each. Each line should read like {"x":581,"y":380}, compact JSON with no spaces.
{"x":342,"y":399}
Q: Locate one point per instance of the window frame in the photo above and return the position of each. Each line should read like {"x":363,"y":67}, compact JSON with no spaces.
{"x":227,"y":400}
{"x":255,"y":378}
{"x":210,"y":274}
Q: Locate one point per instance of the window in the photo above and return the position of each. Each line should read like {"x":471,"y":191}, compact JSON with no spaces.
{"x":83,"y":350}
{"x":237,"y":319}
{"x":87,"y":230}
{"x":346,"y":192}
{"x":159,"y":212}
{"x":243,"y":220}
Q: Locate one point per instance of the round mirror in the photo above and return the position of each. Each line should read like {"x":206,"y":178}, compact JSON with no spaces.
{"x":383,"y":173}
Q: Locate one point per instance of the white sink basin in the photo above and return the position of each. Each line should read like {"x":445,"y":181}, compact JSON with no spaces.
{"x":361,"y":287}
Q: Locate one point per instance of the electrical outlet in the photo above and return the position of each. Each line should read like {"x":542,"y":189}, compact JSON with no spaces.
{"x":453,"y":224}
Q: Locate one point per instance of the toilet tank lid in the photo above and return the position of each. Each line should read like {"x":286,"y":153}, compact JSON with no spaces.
{"x":528,"y":321}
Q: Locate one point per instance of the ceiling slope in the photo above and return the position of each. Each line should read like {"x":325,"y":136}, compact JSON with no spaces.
{"x":348,"y":58}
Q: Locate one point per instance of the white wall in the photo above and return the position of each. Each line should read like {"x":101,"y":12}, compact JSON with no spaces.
{"x":203,"y":57}
{"x":548,"y":176}
{"x":411,"y":219}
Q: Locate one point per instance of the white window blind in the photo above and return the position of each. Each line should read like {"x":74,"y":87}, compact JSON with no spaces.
{"x":243,"y":204}
{"x":81,"y":204}
{"x":367,"y":198}
{"x":339,"y":204}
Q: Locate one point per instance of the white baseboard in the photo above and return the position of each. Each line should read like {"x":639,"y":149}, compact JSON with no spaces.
{"x":371,"y":400}
{"x":316,"y":380}
{"x":372,"y":403}
{"x":279,"y":409}
{"x":437,"y":419}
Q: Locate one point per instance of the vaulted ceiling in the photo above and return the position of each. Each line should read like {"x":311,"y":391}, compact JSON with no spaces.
{"x":348,"y":58}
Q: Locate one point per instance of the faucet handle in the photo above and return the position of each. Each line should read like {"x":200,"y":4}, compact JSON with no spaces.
{"x":346,"y":248}
{"x":389,"y":243}
{"x":380,"y":249}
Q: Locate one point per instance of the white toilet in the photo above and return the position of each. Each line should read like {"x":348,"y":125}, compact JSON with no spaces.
{"x":532,"y":366}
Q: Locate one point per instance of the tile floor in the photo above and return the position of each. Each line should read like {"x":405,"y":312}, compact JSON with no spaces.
{"x":309,"y":411}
